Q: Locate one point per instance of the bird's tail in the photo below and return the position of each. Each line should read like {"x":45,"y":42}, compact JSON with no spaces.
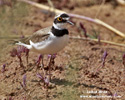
{"x":25,"y":45}
{"x":17,"y":40}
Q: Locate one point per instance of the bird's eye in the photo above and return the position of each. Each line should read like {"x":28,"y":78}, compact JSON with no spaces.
{"x":59,"y":18}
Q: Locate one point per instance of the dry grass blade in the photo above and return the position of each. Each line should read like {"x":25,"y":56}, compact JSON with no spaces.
{"x":50,"y":3}
{"x":96,"y":40}
{"x":121,"y":2}
{"x":43,"y":6}
{"x":100,"y":8}
{"x":110,"y":28}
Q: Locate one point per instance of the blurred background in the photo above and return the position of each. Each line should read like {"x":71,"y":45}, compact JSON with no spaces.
{"x":78,"y":60}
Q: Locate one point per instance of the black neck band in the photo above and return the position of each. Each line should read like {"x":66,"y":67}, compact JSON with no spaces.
{"x":58,"y":32}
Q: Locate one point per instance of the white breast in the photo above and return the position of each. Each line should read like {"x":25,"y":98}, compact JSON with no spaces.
{"x":52,"y":45}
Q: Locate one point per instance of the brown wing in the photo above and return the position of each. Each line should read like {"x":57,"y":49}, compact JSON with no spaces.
{"x":38,"y":36}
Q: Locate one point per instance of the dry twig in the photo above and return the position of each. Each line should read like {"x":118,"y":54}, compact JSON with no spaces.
{"x":121,"y":2}
{"x":96,"y":40}
{"x":43,"y":6}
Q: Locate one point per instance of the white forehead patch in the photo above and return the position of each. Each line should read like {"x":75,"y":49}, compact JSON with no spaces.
{"x":65,"y":18}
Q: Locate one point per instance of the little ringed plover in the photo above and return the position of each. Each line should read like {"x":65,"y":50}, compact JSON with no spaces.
{"x":49,"y":40}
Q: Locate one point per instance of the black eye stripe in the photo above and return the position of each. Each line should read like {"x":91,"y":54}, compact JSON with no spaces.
{"x":63,"y":20}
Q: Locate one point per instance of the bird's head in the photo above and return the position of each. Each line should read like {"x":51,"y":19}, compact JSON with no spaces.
{"x":60,"y":21}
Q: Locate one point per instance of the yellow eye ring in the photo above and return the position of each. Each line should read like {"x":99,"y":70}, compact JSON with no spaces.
{"x":59,"y":18}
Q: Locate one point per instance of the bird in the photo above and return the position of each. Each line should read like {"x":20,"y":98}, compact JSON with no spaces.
{"x":49,"y":40}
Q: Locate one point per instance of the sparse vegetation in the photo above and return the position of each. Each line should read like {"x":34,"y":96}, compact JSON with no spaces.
{"x":75,"y":71}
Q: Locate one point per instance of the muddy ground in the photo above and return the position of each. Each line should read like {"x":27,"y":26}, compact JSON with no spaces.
{"x":77,"y":67}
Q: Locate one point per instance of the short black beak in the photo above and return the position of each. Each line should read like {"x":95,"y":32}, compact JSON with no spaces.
{"x":70,"y":22}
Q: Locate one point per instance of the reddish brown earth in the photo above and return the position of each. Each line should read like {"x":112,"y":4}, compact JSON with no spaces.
{"x":76,"y":72}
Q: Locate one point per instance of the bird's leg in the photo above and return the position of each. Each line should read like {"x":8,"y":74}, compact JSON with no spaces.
{"x":42,"y":66}
{"x":51,"y":63}
{"x":50,"y":67}
{"x":27,"y":55}
{"x":42,"y":62}
{"x":38,"y":60}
